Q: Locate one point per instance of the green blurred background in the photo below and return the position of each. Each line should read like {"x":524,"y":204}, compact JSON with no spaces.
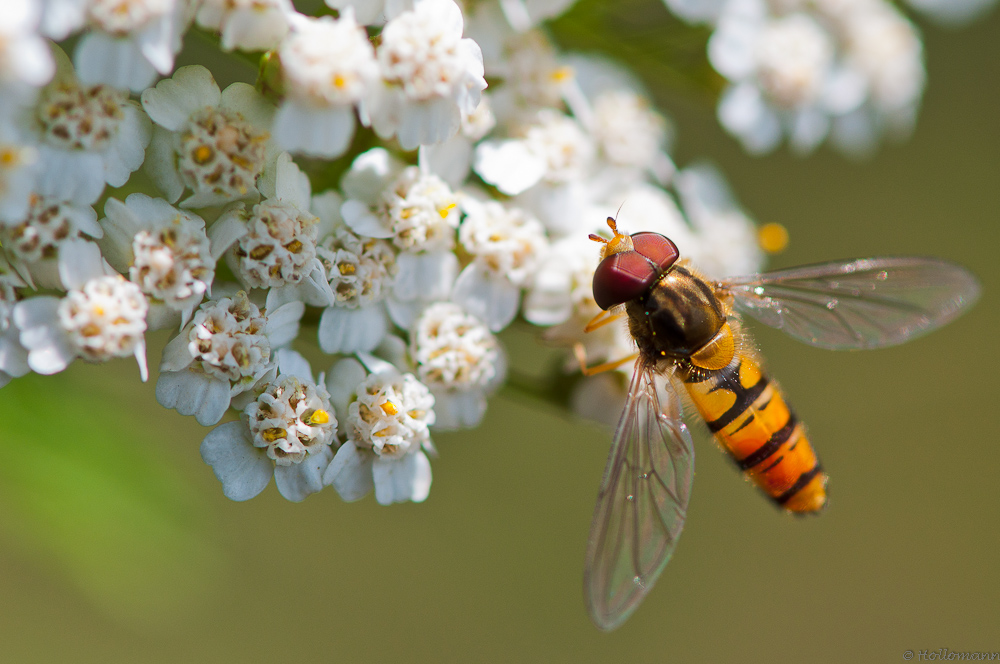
{"x":117,"y":545}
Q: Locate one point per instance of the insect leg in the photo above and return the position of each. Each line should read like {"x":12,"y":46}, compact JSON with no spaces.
{"x":581,"y":357}
{"x":602,"y":319}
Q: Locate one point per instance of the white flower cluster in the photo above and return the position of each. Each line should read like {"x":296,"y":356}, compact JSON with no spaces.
{"x":847,"y":71}
{"x":463,"y":211}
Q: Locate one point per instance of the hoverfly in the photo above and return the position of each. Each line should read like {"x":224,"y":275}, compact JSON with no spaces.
{"x":687,"y":330}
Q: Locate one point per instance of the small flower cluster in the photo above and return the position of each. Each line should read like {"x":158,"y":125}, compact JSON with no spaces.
{"x":847,"y":71}
{"x":465,"y":210}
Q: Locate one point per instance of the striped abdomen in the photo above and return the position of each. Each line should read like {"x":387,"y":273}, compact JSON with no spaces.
{"x":748,"y":414}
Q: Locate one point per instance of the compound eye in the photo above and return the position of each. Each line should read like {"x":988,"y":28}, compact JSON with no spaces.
{"x":657,"y":248}
{"x":622,"y":277}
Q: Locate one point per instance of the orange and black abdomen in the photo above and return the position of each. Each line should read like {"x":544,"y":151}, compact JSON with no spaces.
{"x":749,"y":416}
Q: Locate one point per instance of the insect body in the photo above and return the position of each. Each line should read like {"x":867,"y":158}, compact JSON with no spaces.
{"x":682,"y":319}
{"x":688,"y":331}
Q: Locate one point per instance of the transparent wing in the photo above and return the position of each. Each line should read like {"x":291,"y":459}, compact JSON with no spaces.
{"x":642,"y":502}
{"x":864,"y":303}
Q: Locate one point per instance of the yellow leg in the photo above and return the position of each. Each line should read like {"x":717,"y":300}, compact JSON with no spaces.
{"x":602,"y":319}
{"x":581,"y":357}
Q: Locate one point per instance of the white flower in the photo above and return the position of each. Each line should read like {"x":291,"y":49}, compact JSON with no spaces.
{"x":459,"y":360}
{"x":87,"y":136}
{"x":361,"y":273}
{"x":788,"y":59}
{"x":214,"y":143}
{"x":848,"y":70}
{"x":328,"y":66}
{"x":563,"y":282}
{"x":33,"y":246}
{"x":452,"y":159}
{"x":101,"y":317}
{"x":386,"y":429}
{"x":285,"y":432}
{"x":417,"y":211}
{"x":533,"y":74}
{"x":165,"y":252}
{"x":13,"y":356}
{"x":884,"y":50}
{"x":562,"y":296}
{"x":505,"y":245}
{"x":249,"y":25}
{"x":430,"y":75}
{"x":129,"y":41}
{"x":629,"y":132}
{"x":275,"y":240}
{"x":226,"y":350}
{"x":25,"y":61}
{"x":554,"y":149}
{"x":614,"y":107}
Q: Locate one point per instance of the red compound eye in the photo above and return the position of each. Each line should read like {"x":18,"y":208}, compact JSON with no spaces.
{"x":657,"y":248}
{"x":623,"y":277}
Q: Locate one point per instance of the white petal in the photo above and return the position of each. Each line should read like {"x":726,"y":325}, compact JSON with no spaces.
{"x":140,"y":358}
{"x":376,"y":365}
{"x":14,"y":356}
{"x":160,"y":316}
{"x":291,"y":185}
{"x":194,"y":393}
{"x":450,"y":160}
{"x":344,"y":330}
{"x":427,"y":123}
{"x":509,"y":165}
{"x":350,"y":472}
{"x":176,"y":355}
{"x":80,"y":261}
{"x":127,"y":151}
{"x":809,"y":127}
{"x":245,"y":100}
{"x":360,"y":219}
{"x":282,"y":325}
{"x":161,"y":166}
{"x":291,"y":363}
{"x":458,"y":409}
{"x":342,"y":382}
{"x":425,"y":276}
{"x":100,"y":58}
{"x":159,"y":41}
{"x":49,"y":351}
{"x":491,"y":298}
{"x":326,"y":206}
{"x":85,"y":219}
{"x":297,"y":481}
{"x":370,"y":173}
{"x":254,"y":29}
{"x":399,"y":480}
{"x":61,"y":17}
{"x":226,"y":230}
{"x":120,"y":228}
{"x":70,"y":175}
{"x":172,"y":102}
{"x":314,"y":290}
{"x":732,"y":51}
{"x":319,"y":132}
{"x":243,"y":469}
{"x":404,"y":314}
